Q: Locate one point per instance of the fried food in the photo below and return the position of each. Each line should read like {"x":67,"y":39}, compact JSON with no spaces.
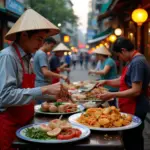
{"x":104,"y":117}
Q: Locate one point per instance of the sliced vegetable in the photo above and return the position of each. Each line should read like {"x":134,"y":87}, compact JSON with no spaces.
{"x":54,"y":132}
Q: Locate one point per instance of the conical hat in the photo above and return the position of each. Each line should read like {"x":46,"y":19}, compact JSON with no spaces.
{"x":31,"y":20}
{"x":103,"y":51}
{"x":61,"y":47}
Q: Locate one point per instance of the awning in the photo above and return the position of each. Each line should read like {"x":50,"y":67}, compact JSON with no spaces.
{"x":113,"y":9}
{"x":105,"y":6}
{"x":101,"y":36}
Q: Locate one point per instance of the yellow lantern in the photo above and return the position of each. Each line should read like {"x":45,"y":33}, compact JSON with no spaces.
{"x":101,"y":45}
{"x":72,"y":48}
{"x":66,"y":38}
{"x":139,"y":16}
{"x":112,"y":38}
{"x":118,"y":31}
{"x":97,"y":46}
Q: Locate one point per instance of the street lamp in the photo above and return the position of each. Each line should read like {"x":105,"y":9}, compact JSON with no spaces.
{"x":139,"y":16}
{"x":112,"y":38}
{"x":59,"y":24}
{"x":118,"y":31}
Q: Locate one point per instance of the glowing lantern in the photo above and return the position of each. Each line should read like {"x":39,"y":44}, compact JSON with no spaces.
{"x":66,"y":38}
{"x":139,"y":16}
{"x":112,"y":38}
{"x":118,"y":31}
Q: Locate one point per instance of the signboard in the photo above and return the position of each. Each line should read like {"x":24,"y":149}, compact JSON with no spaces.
{"x":14,"y":6}
{"x":2,"y":4}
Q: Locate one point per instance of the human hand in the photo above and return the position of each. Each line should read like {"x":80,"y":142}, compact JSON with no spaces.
{"x":101,"y":83}
{"x":53,"y":89}
{"x":106,"y":96}
{"x":91,"y":71}
{"x":65,"y":78}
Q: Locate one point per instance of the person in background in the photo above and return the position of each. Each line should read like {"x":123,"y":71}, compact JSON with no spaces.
{"x":81,"y":59}
{"x":54,"y":62}
{"x":108,"y":69}
{"x":17,"y":92}
{"x":41,"y":66}
{"x":74,"y":60}
{"x":133,"y":95}
{"x":97,"y":68}
{"x":68,"y":62}
{"x":93,"y":61}
{"x":87,"y":58}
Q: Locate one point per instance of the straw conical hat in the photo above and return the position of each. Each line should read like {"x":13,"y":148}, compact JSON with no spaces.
{"x":31,"y":20}
{"x":61,"y":47}
{"x":103,"y":51}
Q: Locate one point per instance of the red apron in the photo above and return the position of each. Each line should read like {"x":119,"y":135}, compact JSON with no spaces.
{"x":55,"y":80}
{"x":127,"y":105}
{"x":17,"y":116}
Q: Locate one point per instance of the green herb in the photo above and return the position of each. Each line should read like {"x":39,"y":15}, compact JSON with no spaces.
{"x":58,"y":104}
{"x":37,"y":133}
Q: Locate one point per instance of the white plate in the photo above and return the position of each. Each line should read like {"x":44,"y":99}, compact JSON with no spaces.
{"x":135,"y":123}
{"x":20,"y":134}
{"x":37,"y":108}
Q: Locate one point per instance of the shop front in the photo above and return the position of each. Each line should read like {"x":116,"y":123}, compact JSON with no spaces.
{"x":10,"y":10}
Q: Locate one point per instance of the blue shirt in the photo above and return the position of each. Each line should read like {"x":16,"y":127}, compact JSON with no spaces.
{"x":68,"y":59}
{"x":112,"y":74}
{"x":139,"y":71}
{"x":40,"y":60}
{"x":11,"y":92}
{"x":54,"y":63}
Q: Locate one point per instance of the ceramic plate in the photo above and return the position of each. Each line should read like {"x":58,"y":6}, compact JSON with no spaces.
{"x":21,"y":134}
{"x":135,"y":123}
{"x":37,"y":109}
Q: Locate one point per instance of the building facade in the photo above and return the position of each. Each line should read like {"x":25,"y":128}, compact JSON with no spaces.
{"x":10,"y":10}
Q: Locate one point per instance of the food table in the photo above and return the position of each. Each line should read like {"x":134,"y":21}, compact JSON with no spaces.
{"x":97,"y":139}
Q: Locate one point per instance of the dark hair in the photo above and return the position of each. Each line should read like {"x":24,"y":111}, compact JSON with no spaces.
{"x":30,"y":33}
{"x":105,"y":56}
{"x":50,"y":40}
{"x":122,"y":43}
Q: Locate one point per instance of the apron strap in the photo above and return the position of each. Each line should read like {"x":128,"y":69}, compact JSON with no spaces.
{"x":19,"y":55}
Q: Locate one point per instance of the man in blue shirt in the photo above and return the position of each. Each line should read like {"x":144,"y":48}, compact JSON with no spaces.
{"x":41,"y":65}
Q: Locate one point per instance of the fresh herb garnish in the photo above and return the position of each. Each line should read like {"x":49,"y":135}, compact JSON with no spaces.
{"x":37,"y":133}
{"x":58,"y":104}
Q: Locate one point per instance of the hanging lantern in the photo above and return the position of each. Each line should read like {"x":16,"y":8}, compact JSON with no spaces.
{"x":118,"y":31}
{"x":112,"y":38}
{"x":139,"y":16}
{"x":66,"y":38}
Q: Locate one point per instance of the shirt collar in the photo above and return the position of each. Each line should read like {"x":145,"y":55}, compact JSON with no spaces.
{"x":22,"y":53}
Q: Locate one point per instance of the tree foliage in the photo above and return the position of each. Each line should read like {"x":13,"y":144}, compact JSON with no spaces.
{"x":54,"y":10}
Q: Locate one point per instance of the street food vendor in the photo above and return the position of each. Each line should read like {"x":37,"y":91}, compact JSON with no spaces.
{"x":17,"y":92}
{"x":107,"y":70}
{"x":133,"y":85}
{"x":55,"y":65}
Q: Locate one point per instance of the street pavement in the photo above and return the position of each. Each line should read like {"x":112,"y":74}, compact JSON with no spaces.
{"x":81,"y":74}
